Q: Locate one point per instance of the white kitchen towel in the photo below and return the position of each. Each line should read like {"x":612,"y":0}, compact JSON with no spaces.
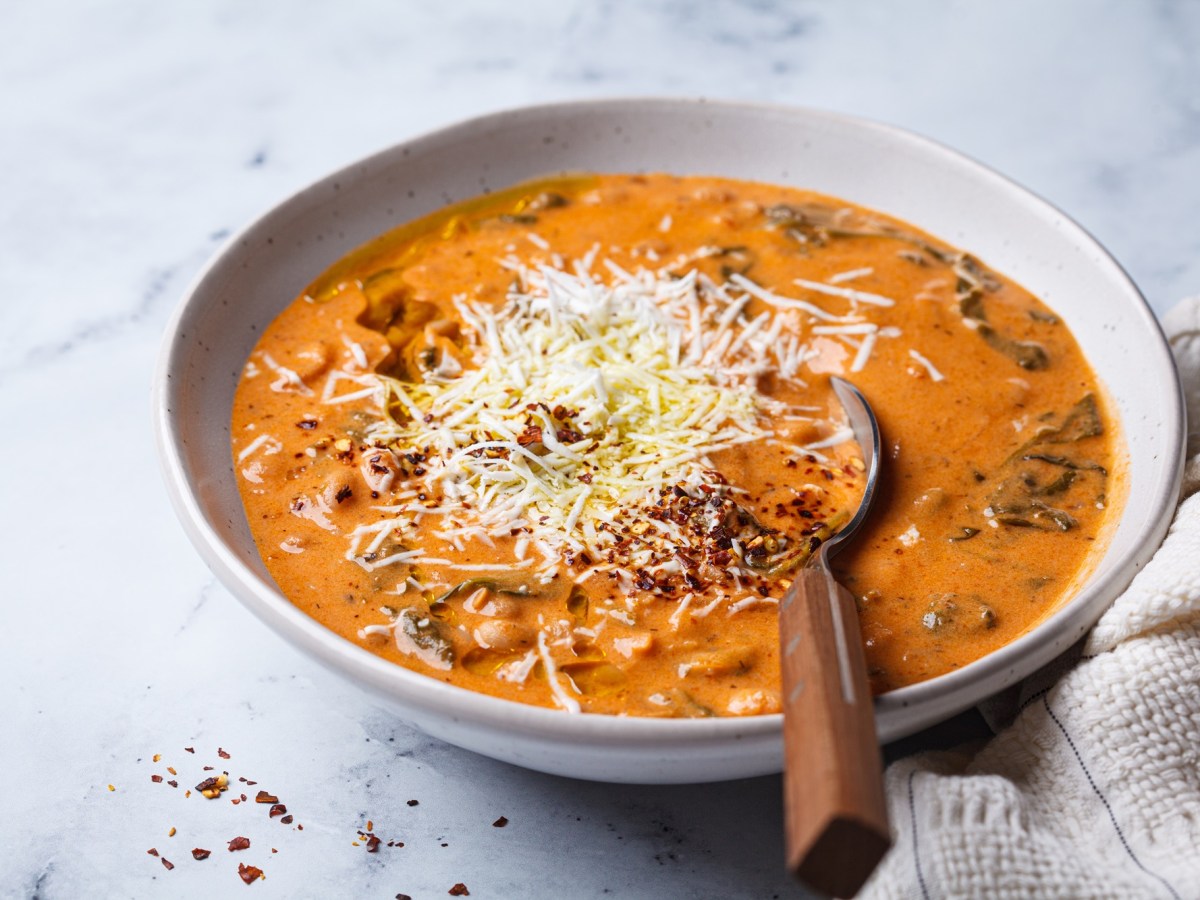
{"x":1094,"y":789}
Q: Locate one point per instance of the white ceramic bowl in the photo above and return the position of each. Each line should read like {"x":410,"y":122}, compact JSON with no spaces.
{"x":265,"y":266}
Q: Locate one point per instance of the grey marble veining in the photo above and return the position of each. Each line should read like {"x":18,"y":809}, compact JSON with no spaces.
{"x":137,"y":135}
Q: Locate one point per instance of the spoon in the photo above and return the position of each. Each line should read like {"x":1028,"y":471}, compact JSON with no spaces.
{"x":834,"y":809}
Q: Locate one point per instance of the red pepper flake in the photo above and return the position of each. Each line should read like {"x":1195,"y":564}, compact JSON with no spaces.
{"x":157,"y":779}
{"x":157,"y":757}
{"x":208,"y":768}
{"x":221,"y":753}
{"x":287,"y":820}
{"x":531,"y":435}
{"x":414,"y":802}
{"x":199,"y":853}
{"x":249,"y":874}
{"x":373,"y":843}
{"x":273,"y":850}
{"x":251,"y":783}
{"x":243,"y":798}
{"x":167,"y":864}
{"x":190,"y":749}
{"x":568,"y":436}
{"x":172,"y":771}
{"x":235,"y":801}
{"x":239,"y":843}
{"x":152,"y":851}
{"x":370,"y":825}
{"x":173,"y":783}
{"x":277,"y":810}
{"x":500,"y":822}
{"x":300,"y":827}
{"x":459,"y":890}
{"x":403,"y":897}
{"x":212,"y":787}
{"x":264,"y":797}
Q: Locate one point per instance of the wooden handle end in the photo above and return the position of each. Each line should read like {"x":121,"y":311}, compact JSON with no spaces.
{"x":835,"y":809}
{"x":840,"y":857}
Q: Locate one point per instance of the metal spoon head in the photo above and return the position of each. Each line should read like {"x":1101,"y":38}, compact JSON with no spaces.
{"x":866,"y":432}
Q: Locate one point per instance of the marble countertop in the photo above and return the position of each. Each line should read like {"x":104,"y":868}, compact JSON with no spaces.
{"x":138,"y":134}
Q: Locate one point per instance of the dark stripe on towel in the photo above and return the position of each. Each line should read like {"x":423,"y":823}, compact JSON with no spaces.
{"x":1112,"y":818}
{"x":912,"y":817}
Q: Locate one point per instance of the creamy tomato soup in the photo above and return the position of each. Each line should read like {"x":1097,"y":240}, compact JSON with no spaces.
{"x":568,"y":444}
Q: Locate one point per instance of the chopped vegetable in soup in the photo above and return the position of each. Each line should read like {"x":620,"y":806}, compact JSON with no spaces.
{"x":568,"y":444}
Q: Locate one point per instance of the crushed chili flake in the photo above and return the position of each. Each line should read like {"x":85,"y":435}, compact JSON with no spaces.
{"x":157,"y":779}
{"x":414,"y":802}
{"x":287,"y":820}
{"x":173,"y":783}
{"x":249,"y":874}
{"x":277,"y":810}
{"x":190,"y":749}
{"x":156,"y":757}
{"x":212,"y":787}
{"x":167,"y":864}
{"x":221,"y":753}
{"x":199,"y":853}
{"x":171,"y":833}
{"x":370,"y":825}
{"x":152,"y":851}
{"x":531,"y":435}
{"x":568,"y":436}
{"x":459,"y":890}
{"x":235,"y":801}
{"x":403,"y":897}
{"x":500,"y":822}
{"x":373,"y":843}
{"x":111,"y":788}
{"x":171,"y":770}
{"x":239,"y":843}
{"x":264,"y":797}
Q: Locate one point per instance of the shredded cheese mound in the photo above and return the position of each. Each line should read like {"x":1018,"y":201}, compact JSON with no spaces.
{"x":584,"y":398}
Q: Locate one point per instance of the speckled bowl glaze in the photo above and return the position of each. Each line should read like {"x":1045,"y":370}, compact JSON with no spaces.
{"x":265,"y":266}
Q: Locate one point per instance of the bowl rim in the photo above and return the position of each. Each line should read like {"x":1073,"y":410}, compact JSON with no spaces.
{"x":1001,"y":667}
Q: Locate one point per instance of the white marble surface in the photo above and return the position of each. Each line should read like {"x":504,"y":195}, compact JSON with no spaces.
{"x":136,"y":134}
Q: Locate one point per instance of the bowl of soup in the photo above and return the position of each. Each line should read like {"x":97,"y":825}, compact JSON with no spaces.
{"x":525,"y":425}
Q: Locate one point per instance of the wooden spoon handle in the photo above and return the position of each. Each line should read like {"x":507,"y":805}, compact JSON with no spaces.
{"x":834,"y":808}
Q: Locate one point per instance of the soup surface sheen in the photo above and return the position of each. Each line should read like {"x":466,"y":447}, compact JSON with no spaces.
{"x":567,"y":444}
